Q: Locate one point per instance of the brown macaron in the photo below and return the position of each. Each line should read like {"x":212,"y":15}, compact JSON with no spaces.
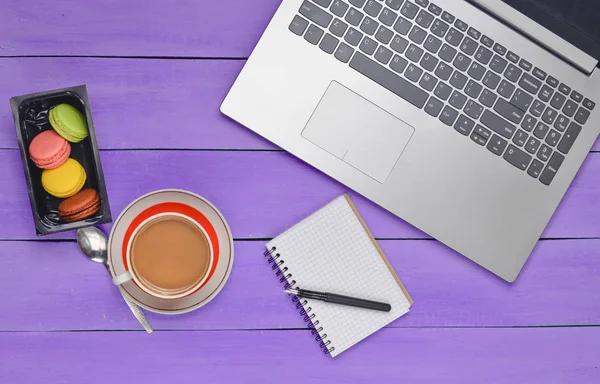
{"x":80,"y":206}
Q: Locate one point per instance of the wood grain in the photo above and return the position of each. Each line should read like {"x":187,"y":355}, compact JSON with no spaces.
{"x":466,"y":356}
{"x":49,"y":286}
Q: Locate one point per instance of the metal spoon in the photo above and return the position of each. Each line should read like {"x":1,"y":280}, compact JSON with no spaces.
{"x":93,"y":244}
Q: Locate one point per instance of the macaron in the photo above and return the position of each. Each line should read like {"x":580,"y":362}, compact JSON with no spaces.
{"x":68,"y":122}
{"x":64,"y":181}
{"x":48,"y":150}
{"x":80,"y":206}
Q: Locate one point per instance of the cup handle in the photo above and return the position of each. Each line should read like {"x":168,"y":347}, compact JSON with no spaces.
{"x":122,"y":278}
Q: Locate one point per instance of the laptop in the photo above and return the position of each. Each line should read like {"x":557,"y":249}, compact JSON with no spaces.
{"x":466,"y":119}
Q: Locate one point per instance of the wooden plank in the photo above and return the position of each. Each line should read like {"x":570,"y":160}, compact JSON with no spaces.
{"x":54,"y":288}
{"x":521,"y":355}
{"x":188,"y":28}
{"x":260,"y":193}
{"x":139,"y":103}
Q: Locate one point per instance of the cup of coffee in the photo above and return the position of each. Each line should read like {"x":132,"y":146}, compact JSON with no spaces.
{"x":169,"y":256}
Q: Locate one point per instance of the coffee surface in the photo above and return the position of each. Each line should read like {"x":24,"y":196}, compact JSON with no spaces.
{"x":170,"y":255}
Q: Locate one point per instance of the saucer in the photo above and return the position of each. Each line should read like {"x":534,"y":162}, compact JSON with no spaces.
{"x":194,"y":207}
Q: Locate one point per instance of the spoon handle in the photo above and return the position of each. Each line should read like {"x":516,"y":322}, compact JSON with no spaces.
{"x":136,"y":310}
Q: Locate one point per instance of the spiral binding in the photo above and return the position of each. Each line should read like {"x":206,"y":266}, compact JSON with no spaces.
{"x":284,"y":277}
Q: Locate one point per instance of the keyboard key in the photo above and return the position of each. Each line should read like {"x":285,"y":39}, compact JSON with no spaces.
{"x":520,"y":138}
{"x":483,"y":132}
{"x":338,"y":28}
{"x":323,"y":3}
{"x":422,"y":3}
{"x":394,"y":4}
{"x":582,"y":115}
{"x":328,"y":44}
{"x":498,"y":64}
{"x":383,"y":55}
{"x":544,"y":153}
{"x":417,"y":35}
{"x":458,"y":100}
{"x":344,"y":53}
{"x":474,"y":33}
{"x":369,"y":26}
{"x":428,"y":82}
{"x":359,"y":3}
{"x":449,"y":18}
{"x":578,"y":97}
{"x":398,"y":64}
{"x":476,"y":71}
{"x":373,"y":8}
{"x":389,"y":80}
{"x":473,"y":109}
{"x":487,"y":98}
{"x":443,"y":91}
{"x":424,"y":19}
{"x":569,"y":138}
{"x":589,"y":104}
{"x":498,"y":124}
{"x":409,"y":10}
{"x":368,"y":46}
{"x":414,"y":53}
{"x":473,"y":89}
{"x":546,"y":93}
{"x":387,"y":17}
{"x":447,"y":53}
{"x":539,"y":73}
{"x":561,"y":123}
{"x":402,"y":26}
{"x":413,"y":73}
{"x":454,"y":37}
{"x":513,"y":73}
{"x":339,"y":8}
{"x":461,"y":25}
{"x":487,"y":41}
{"x":429,"y":62}
{"x":435,"y":9}
{"x":469,"y":46}
{"x":458,"y":80}
{"x":517,"y":157}
{"x":551,"y":81}
{"x":315,"y":14}
{"x":506,"y":89}
{"x":537,"y":108}
{"x":541,"y":130}
{"x":491,"y":80}
{"x":570,"y":108}
{"x":433,"y":106}
{"x":399,"y":44}
{"x":535,"y":169}
{"x":354,"y":17}
{"x":550,"y":116}
{"x":500,"y":49}
{"x":512,"y":57}
{"x":443,"y":71}
{"x":483,"y":55}
{"x":478,"y":139}
{"x":521,"y":100}
{"x":528,"y":123}
{"x":432,"y":44}
{"x":448,"y":116}
{"x":564,"y":89}
{"x":313,"y":34}
{"x":552,"y":168}
{"x":439,"y":28}
{"x":462,"y":62}
{"x":497,"y":145}
{"x":509,"y":111}
{"x":532,"y":145}
{"x":530,"y":84}
{"x":464,"y":125}
{"x":558,"y":100}
{"x":353,"y":37}
{"x":384,"y":35}
{"x":298,"y":25}
{"x":552,"y":138}
{"x":526,"y":65}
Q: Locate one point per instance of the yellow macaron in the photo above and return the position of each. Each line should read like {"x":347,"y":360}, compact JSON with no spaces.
{"x":64,"y":181}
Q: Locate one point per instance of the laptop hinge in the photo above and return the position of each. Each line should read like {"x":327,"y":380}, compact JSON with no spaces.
{"x":547,"y":39}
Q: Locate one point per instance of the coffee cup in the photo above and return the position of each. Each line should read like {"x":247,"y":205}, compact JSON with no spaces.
{"x":169,"y":256}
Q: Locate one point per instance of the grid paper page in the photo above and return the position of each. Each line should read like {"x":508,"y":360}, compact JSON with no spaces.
{"x":330,"y":251}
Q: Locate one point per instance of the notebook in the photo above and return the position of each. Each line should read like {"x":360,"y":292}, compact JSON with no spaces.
{"x":333,"y":251}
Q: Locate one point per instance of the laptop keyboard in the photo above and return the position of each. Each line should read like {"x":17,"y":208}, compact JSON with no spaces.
{"x":455,"y":73}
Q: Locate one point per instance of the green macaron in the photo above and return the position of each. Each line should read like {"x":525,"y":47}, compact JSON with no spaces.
{"x":68,"y":122}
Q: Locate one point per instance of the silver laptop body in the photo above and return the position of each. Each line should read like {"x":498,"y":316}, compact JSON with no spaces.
{"x":474,"y":142}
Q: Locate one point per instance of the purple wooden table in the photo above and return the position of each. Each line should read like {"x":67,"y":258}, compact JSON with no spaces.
{"x":156,"y":73}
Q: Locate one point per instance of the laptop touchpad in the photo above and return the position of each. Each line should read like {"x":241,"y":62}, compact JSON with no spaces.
{"x":358,"y":132}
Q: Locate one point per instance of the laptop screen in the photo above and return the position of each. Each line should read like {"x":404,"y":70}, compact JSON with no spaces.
{"x":577,"y":21}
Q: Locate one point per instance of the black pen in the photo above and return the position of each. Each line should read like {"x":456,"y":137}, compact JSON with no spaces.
{"x":339,"y":299}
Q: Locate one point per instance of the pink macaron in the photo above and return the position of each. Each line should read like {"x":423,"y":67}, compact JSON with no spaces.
{"x":49,"y":150}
